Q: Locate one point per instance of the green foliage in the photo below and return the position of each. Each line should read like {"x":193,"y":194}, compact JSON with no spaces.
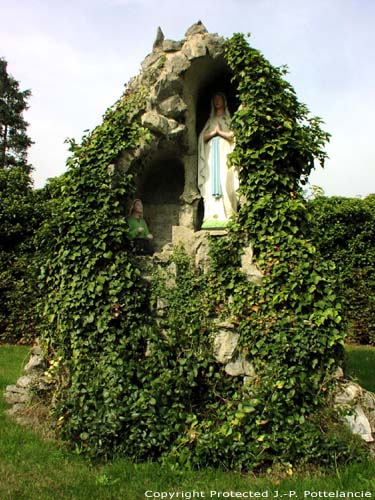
{"x":344,"y":232}
{"x":95,"y":307}
{"x":20,"y":215}
{"x":46,"y":471}
{"x":147,"y":386}
{"x":290,"y":326}
{"x":21,"y":210}
{"x":14,"y":141}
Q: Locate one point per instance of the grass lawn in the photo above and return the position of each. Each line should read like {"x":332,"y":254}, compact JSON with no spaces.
{"x":31,"y":468}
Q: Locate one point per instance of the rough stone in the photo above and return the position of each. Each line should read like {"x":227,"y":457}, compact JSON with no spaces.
{"x":369,"y":400}
{"x":161,"y":307}
{"x":175,"y":127}
{"x":151,"y":60}
{"x":359,"y":424}
{"x":15,"y":395}
{"x":24,"y":381}
{"x":36,"y":350}
{"x":214,"y":45}
{"x":227,"y":325}
{"x":36,"y":362}
{"x":194,"y":48}
{"x":196,"y":29}
{"x":173,"y":107}
{"x":185,"y":237}
{"x":172,"y":45}
{"x":240,"y":367}
{"x":167,"y":86}
{"x":202,"y":260}
{"x":177,"y":63}
{"x":195,"y":244}
{"x":15,"y":388}
{"x":348,"y":393}
{"x":339,"y":373}
{"x":225,"y":345}
{"x":159,"y":39}
{"x":155,"y":122}
{"x":249,"y":268}
{"x":16,"y":409}
{"x":359,"y":405}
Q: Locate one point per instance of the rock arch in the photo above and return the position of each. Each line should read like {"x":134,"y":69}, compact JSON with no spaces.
{"x":181,"y":77}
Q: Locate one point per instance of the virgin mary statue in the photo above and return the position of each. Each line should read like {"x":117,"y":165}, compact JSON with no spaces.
{"x":217,"y":180}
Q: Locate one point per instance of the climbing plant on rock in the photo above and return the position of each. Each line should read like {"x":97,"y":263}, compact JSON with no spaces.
{"x":289,"y":326}
{"x":94,"y":299}
{"x":127,"y":382}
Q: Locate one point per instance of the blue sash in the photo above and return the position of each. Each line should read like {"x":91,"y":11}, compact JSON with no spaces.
{"x":215,"y":167}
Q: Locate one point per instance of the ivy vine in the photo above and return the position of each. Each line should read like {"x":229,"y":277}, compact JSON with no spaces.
{"x":148,"y":386}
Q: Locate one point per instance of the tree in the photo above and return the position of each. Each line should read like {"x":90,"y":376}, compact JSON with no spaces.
{"x":14,"y":140}
{"x":19,"y":214}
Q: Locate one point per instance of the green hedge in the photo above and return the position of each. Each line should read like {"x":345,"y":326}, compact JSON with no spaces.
{"x":344,"y":232}
{"x":21,"y":212}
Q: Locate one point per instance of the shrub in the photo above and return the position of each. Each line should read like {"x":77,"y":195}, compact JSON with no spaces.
{"x":344,"y":232}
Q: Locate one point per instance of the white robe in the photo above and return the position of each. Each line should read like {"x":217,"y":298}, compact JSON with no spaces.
{"x":217,"y":208}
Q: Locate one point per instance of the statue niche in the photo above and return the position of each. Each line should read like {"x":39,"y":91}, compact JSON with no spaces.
{"x":217,"y":180}
{"x":160,"y":191}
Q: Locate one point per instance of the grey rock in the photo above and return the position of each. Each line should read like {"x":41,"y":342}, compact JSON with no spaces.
{"x":369,"y":400}
{"x":240,"y":367}
{"x":348,"y":393}
{"x":195,"y":29}
{"x":24,"y":381}
{"x":249,"y":268}
{"x":166,"y":86}
{"x":195,"y":244}
{"x":176,"y":129}
{"x":214,"y":46}
{"x":358,"y":405}
{"x":224,"y":346}
{"x":15,"y":389}
{"x":172,"y":45}
{"x":155,"y":122}
{"x":16,"y":397}
{"x":36,"y":363}
{"x":36,"y":350}
{"x":161,"y":307}
{"x":151,"y":60}
{"x":194,"y":48}
{"x":359,"y":424}
{"x":177,"y":63}
{"x":172,"y":107}
{"x":339,"y":373}
{"x":16,"y":409}
{"x":158,"y":43}
{"x":225,"y":324}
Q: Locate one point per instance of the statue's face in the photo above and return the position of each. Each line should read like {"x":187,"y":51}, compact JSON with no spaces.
{"x":218,"y":101}
{"x":138,"y":206}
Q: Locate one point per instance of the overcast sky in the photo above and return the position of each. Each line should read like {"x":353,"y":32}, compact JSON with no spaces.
{"x":76,"y":56}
